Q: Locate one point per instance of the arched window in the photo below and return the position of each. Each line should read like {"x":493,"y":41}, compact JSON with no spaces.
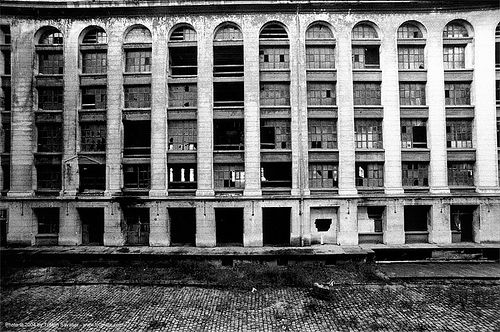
{"x":455,"y":30}
{"x":228,"y":32}
{"x":318,"y":31}
{"x":183,"y":52}
{"x":95,"y":35}
{"x":50,"y":59}
{"x":456,"y":46}
{"x":497,"y":56}
{"x":94,"y":58}
{"x":273,"y":31}
{"x":138,"y":34}
{"x":183,"y":34}
{"x":51,"y":37}
{"x":274,"y":47}
{"x":409,"y":31}
{"x":320,"y":47}
{"x":410,"y":46}
{"x":365,"y":55}
{"x":137,"y":47}
{"x":364,"y":31}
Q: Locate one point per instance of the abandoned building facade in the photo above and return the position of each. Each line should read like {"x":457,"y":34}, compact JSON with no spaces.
{"x":241,"y":123}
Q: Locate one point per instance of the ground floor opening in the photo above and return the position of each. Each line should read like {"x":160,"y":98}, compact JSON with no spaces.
{"x":136,"y":226}
{"x":276,"y":226}
{"x":462,"y":223}
{"x":416,"y":221}
{"x":229,"y":226}
{"x":182,"y":226}
{"x":92,"y":221}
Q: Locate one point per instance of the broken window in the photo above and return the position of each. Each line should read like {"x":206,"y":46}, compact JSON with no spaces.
{"x":183,"y":52}
{"x":412,"y":93}
{"x":366,"y":93}
{"x":48,"y":176}
{"x":137,"y":176}
{"x":320,"y":57}
{"x":228,"y":32}
{"x":95,"y":35}
{"x":368,"y":133}
{"x":137,"y":61}
{"x":323,"y":175}
{"x":409,"y":31}
{"x":94,"y":62}
{"x":322,"y":133}
{"x":276,"y":175}
{"x":454,"y":57}
{"x":415,"y":174}
{"x":228,"y":60}
{"x":459,"y":134}
{"x":413,"y":133}
{"x":366,"y":57}
{"x":364,"y":31}
{"x":321,"y":94}
{"x":229,"y":176}
{"x":318,"y":31}
{"x":274,"y":57}
{"x":137,"y":226}
{"x":182,"y":176}
{"x":274,"y":94}
{"x":498,"y":133}
{"x":93,"y":136}
{"x":6,"y":62}
{"x":182,"y":95}
{"x":138,"y":96}
{"x":51,"y":63}
{"x":137,"y":138}
{"x":461,"y":174}
{"x":94,"y":97}
{"x":228,"y":134}
{"x":47,"y":220}
{"x":50,"y":98}
{"x":411,"y":57}
{"x":457,"y":93}
{"x":5,"y":34}
{"x":275,"y":134}
{"x":182,"y":135}
{"x":50,"y":137}
{"x":6,"y":174}
{"x":92,"y":177}
{"x":273,"y":31}
{"x":370,"y":175}
{"x":228,"y":94}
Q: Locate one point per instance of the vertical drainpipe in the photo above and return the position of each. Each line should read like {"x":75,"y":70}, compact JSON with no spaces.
{"x":301,"y":185}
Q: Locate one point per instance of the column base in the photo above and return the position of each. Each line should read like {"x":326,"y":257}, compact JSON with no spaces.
{"x":252,"y":192}
{"x":295,"y":192}
{"x":394,"y":191}
{"x":112,"y":192}
{"x":348,"y":192}
{"x":488,"y":190}
{"x":205,"y":192}
{"x":69,"y":193}
{"x":158,"y":193}
{"x":20,"y":194}
{"x":439,"y":190}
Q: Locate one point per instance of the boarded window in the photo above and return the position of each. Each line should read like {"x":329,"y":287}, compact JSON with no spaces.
{"x":92,"y":177}
{"x":461,"y":174}
{"x":182,"y":135}
{"x":51,"y":63}
{"x":274,"y":57}
{"x":50,"y":98}
{"x":94,"y":98}
{"x":320,"y":57}
{"x":368,"y":134}
{"x":413,"y":133}
{"x":365,"y":57}
{"x":229,"y":176}
{"x":415,"y":174}
{"x":182,"y":176}
{"x":137,"y":176}
{"x":411,"y":57}
{"x":459,"y":134}
{"x":94,"y":62}
{"x":274,"y":94}
{"x":323,"y":175}
{"x":50,"y":137}
{"x":322,"y":133}
{"x":275,"y":134}
{"x":457,"y":93}
{"x":47,"y":220}
{"x":412,"y":93}
{"x":321,"y":94}
{"x":454,"y":57}
{"x":370,"y":175}
{"x":409,"y":31}
{"x":366,"y":93}
{"x":138,"y":96}
{"x":182,"y":95}
{"x":138,"y":61}
{"x":93,"y":136}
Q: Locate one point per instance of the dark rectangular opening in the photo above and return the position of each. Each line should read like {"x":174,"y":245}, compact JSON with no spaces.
{"x":137,"y":138}
{"x":48,"y":226}
{"x":228,"y":134}
{"x":136,"y":226}
{"x":229,"y":226}
{"x":3,"y":227}
{"x":183,"y":61}
{"x":372,"y":59}
{"x":92,"y":177}
{"x":415,"y":223}
{"x":276,"y":175}
{"x":182,"y":226}
{"x":228,"y":94}
{"x":461,"y":223}
{"x":276,"y":226}
{"x":228,"y":60}
{"x":92,"y":220}
{"x":419,"y":137}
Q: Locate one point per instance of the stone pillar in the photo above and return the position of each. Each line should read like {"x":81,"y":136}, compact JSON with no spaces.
{"x":69,"y":225}
{"x":307,"y":228}
{"x":205,"y":112}
{"x":439,"y":228}
{"x":252,"y":218}
{"x":486,"y":177}
{"x":22,"y":115}
{"x":486,"y":226}
{"x":114,"y":106}
{"x":393,"y":225}
{"x":205,"y":225}
{"x":252,"y":111}
{"x":70,"y":113}
{"x":390,"y":102}
{"x":345,"y":101}
{"x":348,"y":224}
{"x":159,"y":233}
{"x":296,"y":223}
{"x":113,"y":234}
{"x":159,"y":103}
{"x":438,"y":167}
{"x":20,"y":227}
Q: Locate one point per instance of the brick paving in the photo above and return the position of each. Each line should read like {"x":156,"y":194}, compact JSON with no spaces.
{"x":404,"y":307}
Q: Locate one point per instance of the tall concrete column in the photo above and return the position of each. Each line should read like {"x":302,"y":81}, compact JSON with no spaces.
{"x":20,"y":228}
{"x":252,"y":111}
{"x":205,"y":111}
{"x":438,"y":167}
{"x":348,"y":223}
{"x":205,"y":225}
{"x":22,"y":115}
{"x":486,"y":177}
{"x":70,"y":113}
{"x":390,"y":102}
{"x":159,"y":233}
{"x":394,"y":230}
{"x":69,"y":225}
{"x":159,"y":114}
{"x":439,"y":229}
{"x":345,"y":100}
{"x":113,"y":234}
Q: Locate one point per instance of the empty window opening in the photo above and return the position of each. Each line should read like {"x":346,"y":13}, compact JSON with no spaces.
{"x":94,"y":98}
{"x":415,"y":174}
{"x":93,"y":136}
{"x":370,"y":175}
{"x":461,"y":174}
{"x":137,"y":138}
{"x":323,"y":175}
{"x":137,"y":96}
{"x":47,"y":220}
{"x":182,"y":176}
{"x":275,"y":134}
{"x":6,"y":137}
{"x":461,"y":223}
{"x":276,"y":226}
{"x":412,"y":93}
{"x":182,"y":135}
{"x":322,"y":133}
{"x":48,"y":175}
{"x":459,"y":134}
{"x":413,"y":133}
{"x":228,"y":61}
{"x":228,"y":94}
{"x":228,"y":134}
{"x":416,"y":221}
{"x":368,"y":134}
{"x":370,"y":227}
{"x":321,"y":94}
{"x":182,"y":226}
{"x":229,"y":226}
{"x":6,"y":99}
{"x":366,"y":93}
{"x":136,"y":226}
{"x":183,"y":61}
{"x":137,"y":176}
{"x":92,"y":177}
{"x":50,"y":98}
{"x":323,"y":225}
{"x":411,"y":57}
{"x":182,"y":95}
{"x":49,"y":137}
{"x":276,"y":175}
{"x":366,"y":57}
{"x":92,"y":221}
{"x":5,"y":34}
{"x":6,"y":62}
{"x":6,"y":173}
{"x":229,"y":176}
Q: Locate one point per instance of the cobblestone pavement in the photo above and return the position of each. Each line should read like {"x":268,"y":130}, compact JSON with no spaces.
{"x":400,"y":307}
{"x":441,"y":270}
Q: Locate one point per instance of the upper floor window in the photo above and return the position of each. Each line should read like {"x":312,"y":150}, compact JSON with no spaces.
{"x":413,"y":133}
{"x":50,"y":98}
{"x":497,"y":47}
{"x":50,"y":61}
{"x":409,"y":31}
{"x":366,"y":93}
{"x":320,"y":93}
{"x":365,"y":47}
{"x":183,"y":52}
{"x":456,"y":45}
{"x":457,"y":93}
{"x":138,"y":96}
{"x":410,"y":46}
{"x":274,"y":50}
{"x":94,"y":57}
{"x":364,"y":31}
{"x":95,"y":36}
{"x":228,"y":51}
{"x":274,"y":94}
{"x":5,"y":37}
{"x":320,"y":47}
{"x":455,"y":30}
{"x":459,"y":134}
{"x":412,"y":93}
{"x":51,"y":37}
{"x":138,"y":50}
{"x":322,"y":133}
{"x":368,"y":133}
{"x":273,"y":31}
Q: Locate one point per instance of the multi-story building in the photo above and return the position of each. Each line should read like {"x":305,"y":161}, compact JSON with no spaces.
{"x":249,"y":123}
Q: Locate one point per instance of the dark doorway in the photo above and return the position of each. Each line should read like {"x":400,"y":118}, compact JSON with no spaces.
{"x":276,"y":226}
{"x":229,"y":226}
{"x":182,"y":226}
{"x":137,"y":226}
{"x":3,"y":227}
{"x":415,"y":223}
{"x":461,"y":221}
{"x":92,"y":226}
